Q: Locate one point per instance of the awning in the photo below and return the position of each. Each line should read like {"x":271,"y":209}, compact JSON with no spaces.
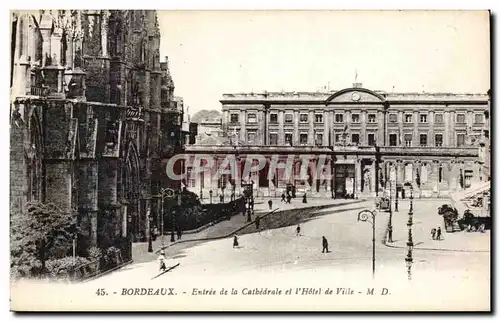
{"x":462,"y":200}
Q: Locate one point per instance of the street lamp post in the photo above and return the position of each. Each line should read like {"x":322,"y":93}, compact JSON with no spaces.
{"x":390,"y":213}
{"x":364,"y":217}
{"x":409,"y":256}
{"x":150,"y":238}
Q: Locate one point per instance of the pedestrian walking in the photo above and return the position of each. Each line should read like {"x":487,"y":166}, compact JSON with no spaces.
{"x":297,"y":230}
{"x":179,"y":233}
{"x":433,"y":233}
{"x":161,"y":260}
{"x":283,"y":198}
{"x":325,"y":245}
{"x":304,"y":199}
{"x":270,"y":203}
{"x":438,"y":233}
{"x":289,"y":199}
{"x":389,"y":234}
{"x":257,"y":222}
{"x":235,"y":241}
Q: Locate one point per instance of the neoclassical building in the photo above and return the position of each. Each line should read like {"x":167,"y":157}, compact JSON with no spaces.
{"x":371,"y":140}
{"x":93,"y":114}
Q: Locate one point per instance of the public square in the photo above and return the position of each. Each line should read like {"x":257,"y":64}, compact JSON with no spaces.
{"x":275,"y":256}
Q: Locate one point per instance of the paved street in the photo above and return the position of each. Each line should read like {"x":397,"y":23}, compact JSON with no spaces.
{"x":280,"y":253}
{"x":425,"y":218}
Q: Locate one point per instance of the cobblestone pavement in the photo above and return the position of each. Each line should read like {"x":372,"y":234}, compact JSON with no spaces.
{"x":425,"y":218}
{"x":140,"y":250}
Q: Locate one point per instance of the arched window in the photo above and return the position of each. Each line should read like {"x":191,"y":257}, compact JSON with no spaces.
{"x":440,"y":173}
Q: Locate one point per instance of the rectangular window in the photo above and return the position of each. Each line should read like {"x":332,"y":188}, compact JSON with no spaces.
{"x":393,"y":140}
{"x":303,"y":139}
{"x":438,"y":118}
{"x":486,"y":134}
{"x":355,"y":138}
{"x":288,"y":118}
{"x":319,"y":118}
{"x":423,"y":118}
{"x":273,"y":139}
{"x":235,"y":118}
{"x":460,"y":118}
{"x":438,"y":138}
{"x":408,"y":138}
{"x":252,"y":118}
{"x":355,"y":118}
{"x":339,"y":118}
{"x":371,"y":139}
{"x":303,"y":118}
{"x":251,"y":137}
{"x":393,"y":118}
{"x":319,"y":139}
{"x":273,"y":119}
{"x":423,"y":139}
{"x":289,"y":139}
{"x":468,"y":178}
{"x":337,"y":138}
{"x":408,"y":118}
{"x":191,"y":181}
{"x":460,"y":140}
{"x":478,"y":118}
{"x":372,"y":118}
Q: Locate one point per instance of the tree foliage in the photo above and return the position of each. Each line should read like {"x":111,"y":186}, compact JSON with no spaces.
{"x":41,"y":232}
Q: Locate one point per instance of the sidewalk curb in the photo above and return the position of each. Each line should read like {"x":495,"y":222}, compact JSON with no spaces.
{"x":435,"y":249}
{"x":250,"y":223}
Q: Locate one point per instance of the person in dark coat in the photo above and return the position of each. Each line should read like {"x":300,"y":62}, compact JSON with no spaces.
{"x":438,"y":233}
{"x":325,"y":245}
{"x":289,"y":199}
{"x":235,"y":241}
{"x":389,"y":234}
{"x":270,"y":203}
{"x":297,"y":230}
{"x":179,"y":233}
{"x":257,"y":222}
{"x":304,"y":199}
{"x":283,"y":197}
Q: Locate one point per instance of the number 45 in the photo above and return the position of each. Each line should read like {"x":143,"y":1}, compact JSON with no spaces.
{"x":101,"y":292}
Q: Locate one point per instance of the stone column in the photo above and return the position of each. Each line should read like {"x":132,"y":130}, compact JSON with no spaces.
{"x":263,"y":122}
{"x":281,"y":133}
{"x":243,"y":121}
{"x":296,"y":128}
{"x":451,"y":129}
{"x":332,"y":122}
{"x":311,"y":139}
{"x":373,"y":175}
{"x":416,"y":134}
{"x":401,"y":139}
{"x":357,"y":190}
{"x":326,"y":126}
{"x":430,"y":140}
{"x":363,"y":140}
{"x":380,"y":132}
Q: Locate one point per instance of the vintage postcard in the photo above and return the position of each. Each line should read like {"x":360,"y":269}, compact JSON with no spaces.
{"x":250,"y":160}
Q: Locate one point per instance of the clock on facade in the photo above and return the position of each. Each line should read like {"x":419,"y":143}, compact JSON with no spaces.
{"x":355,"y":96}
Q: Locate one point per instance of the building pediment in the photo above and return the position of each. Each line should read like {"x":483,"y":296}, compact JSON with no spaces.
{"x":355,"y":95}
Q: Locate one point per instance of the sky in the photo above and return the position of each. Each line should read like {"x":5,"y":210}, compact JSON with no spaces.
{"x":217,"y":52}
